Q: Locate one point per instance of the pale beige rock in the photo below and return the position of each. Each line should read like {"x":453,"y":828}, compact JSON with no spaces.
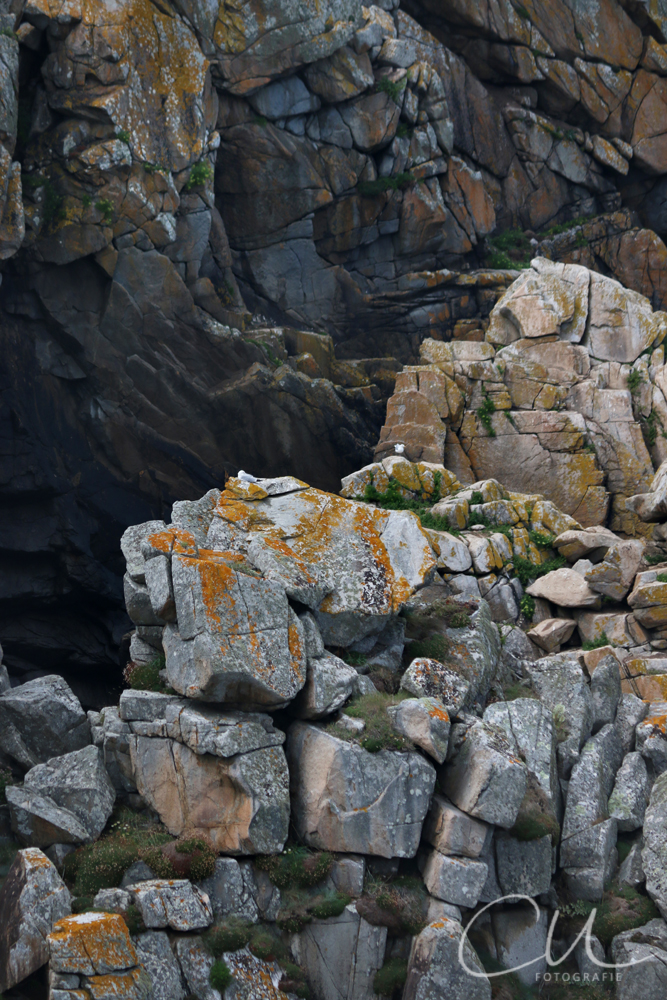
{"x":553,"y":300}
{"x":565,"y":588}
{"x":551,"y":633}
{"x":621,"y":323}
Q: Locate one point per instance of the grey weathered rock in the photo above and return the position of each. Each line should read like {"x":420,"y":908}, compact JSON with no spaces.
{"x":522,"y":866}
{"x":562,"y":687}
{"x":654,"y":852}
{"x":651,"y":739}
{"x":485,"y":778}
{"x":434,"y":969}
{"x":240,"y":802}
{"x":67,"y":800}
{"x":341,"y":955}
{"x":521,"y":937}
{"x":432,"y":679}
{"x":629,"y":799}
{"x":591,"y":783}
{"x":585,"y":964}
{"x":347,"y":874}
{"x":196,"y":962}
{"x":630,"y":712}
{"x":32,"y":898}
{"x":566,"y":588}
{"x":41,"y":719}
{"x":329,"y":684}
{"x":589,"y":859}
{"x":156,"y":956}
{"x":137,"y":872}
{"x":112,"y":900}
{"x":425,"y":721}
{"x":454,"y":880}
{"x":528,"y":724}
{"x":631,"y":871}
{"x":644,"y":953}
{"x":517,"y":649}
{"x":174,"y":903}
{"x":454,"y":832}
{"x":232,"y":890}
{"x":115,"y":742}
{"x":346,"y":799}
{"x":605,"y":691}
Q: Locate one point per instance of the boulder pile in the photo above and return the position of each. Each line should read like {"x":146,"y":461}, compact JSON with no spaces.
{"x":351,"y":723}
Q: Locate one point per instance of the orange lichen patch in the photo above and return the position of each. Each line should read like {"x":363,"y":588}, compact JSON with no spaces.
{"x":297,"y":651}
{"x":91,"y":944}
{"x":438,"y":713}
{"x":184,"y":543}
{"x":162,"y":541}
{"x":657,"y":722}
{"x":634,"y":667}
{"x":245,"y":491}
{"x":33,"y":859}
{"x":120,"y":986}
{"x":218,"y":581}
{"x":652,"y":687}
{"x":261,"y":977}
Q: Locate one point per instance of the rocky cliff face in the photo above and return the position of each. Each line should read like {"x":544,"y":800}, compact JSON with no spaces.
{"x":185,"y":189}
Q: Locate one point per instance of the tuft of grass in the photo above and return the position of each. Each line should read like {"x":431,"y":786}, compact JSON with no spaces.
{"x":230,"y":935}
{"x":220,"y":977}
{"x":485,"y":412}
{"x":634,"y":381}
{"x":146,"y":676}
{"x":154,"y":168}
{"x":296,"y":866}
{"x":8,"y":33}
{"x":477,"y":497}
{"x":123,"y":135}
{"x":522,"y":12}
{"x":331,"y":906}
{"x":403,"y":131}
{"x":53,"y":205}
{"x":369,"y":189}
{"x":655,"y":560}
{"x":379,"y":733}
{"x":392,"y":499}
{"x":354,"y":659}
{"x":565,"y":227}
{"x":106,"y":208}
{"x":661,"y":578}
{"x":525,"y":570}
{"x":387,"y":86}
{"x":527,"y":606}
{"x":293,"y":980}
{"x":622,"y":909}
{"x":536,"y":817}
{"x":400,"y":904}
{"x":598,"y":643}
{"x":390,"y":979}
{"x":541,"y":540}
{"x":6,"y":779}
{"x":199,"y":174}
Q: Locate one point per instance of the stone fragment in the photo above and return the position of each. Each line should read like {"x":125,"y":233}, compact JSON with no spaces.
{"x":341,"y":955}
{"x":621,"y":323}
{"x":196,"y":962}
{"x":32,"y":898}
{"x":485,"y":778}
{"x":434,"y":968}
{"x":605,"y":690}
{"x":283,"y":99}
{"x":528,"y":725}
{"x":231,"y":890}
{"x":91,"y":944}
{"x":458,"y":881}
{"x":425,"y":722}
{"x":631,"y":871}
{"x":347,"y":875}
{"x":330,"y":682}
{"x":430,"y":678}
{"x":561,"y":686}
{"x":40,"y":719}
{"x":157,"y":958}
{"x":67,"y":800}
{"x":523,"y":866}
{"x":593,"y":858}
{"x":654,"y":852}
{"x":591,"y":784}
{"x":551,"y":633}
{"x":112,"y":900}
{"x":451,"y":831}
{"x":241,"y":803}
{"x":629,"y":799}
{"x":564,"y":587}
{"x":343,"y":75}
{"x":521,"y":936}
{"x":642,"y":953}
{"x":347,"y":799}
{"x":174,"y":903}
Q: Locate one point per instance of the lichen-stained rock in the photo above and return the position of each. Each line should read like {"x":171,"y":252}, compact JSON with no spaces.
{"x":523,"y":867}
{"x":628,"y":800}
{"x":341,"y":955}
{"x":590,"y":786}
{"x":642,"y":953}
{"x":566,"y":588}
{"x":12,"y":220}
{"x":652,"y":505}
{"x":648,"y":599}
{"x":157,"y":958}
{"x":654,"y":852}
{"x":435,"y":969}
{"x":91,"y":944}
{"x":347,"y":799}
{"x":561,"y":686}
{"x":529,"y":724}
{"x":621,"y":323}
{"x":425,"y":722}
{"x":485,"y":778}
{"x":552,"y":301}
{"x":174,"y":903}
{"x":458,"y":881}
{"x":329,"y":684}
{"x":66,"y":800}
{"x":40,"y":719}
{"x":33,"y":897}
{"x":241,"y":803}
{"x":432,"y":679}
{"x":451,"y":831}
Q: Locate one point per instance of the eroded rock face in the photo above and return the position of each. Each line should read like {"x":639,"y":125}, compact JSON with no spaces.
{"x":346,"y":799}
{"x":41,"y":719}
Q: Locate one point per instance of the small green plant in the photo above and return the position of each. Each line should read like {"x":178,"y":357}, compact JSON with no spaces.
{"x":265,"y":945}
{"x":220,"y":977}
{"x":293,"y":980}
{"x":8,"y":33}
{"x":565,"y":227}
{"x":400,"y":904}
{"x":598,"y":643}
{"x":332,"y":906}
{"x":106,"y":208}
{"x":527,"y":606}
{"x":86,"y":201}
{"x":53,"y":206}
{"x":403,"y":131}
{"x":379,"y":733}
{"x":370,"y":189}
{"x":634,"y":381}
{"x":522,"y":12}
{"x":485,"y":412}
{"x":391,"y":977}
{"x":354,"y":659}
{"x":580,"y":240}
{"x":393,"y":89}
{"x":123,"y":135}
{"x":655,"y":560}
{"x":622,"y":909}
{"x":541,"y":540}
{"x":525,"y":570}
{"x":560,"y":723}
{"x":661,"y":578}
{"x":199,"y":174}
{"x":197,"y":855}
{"x":508,"y":416}
{"x":580,"y":38}
{"x":230,"y":935}
{"x":260,"y":120}
{"x":154,"y":168}
{"x":296,"y":866}
{"x":649,"y":427}
{"x":476,"y":497}
{"x":433,"y":647}
{"x":146,"y":676}
{"x":6,"y":779}
{"x":392,"y":499}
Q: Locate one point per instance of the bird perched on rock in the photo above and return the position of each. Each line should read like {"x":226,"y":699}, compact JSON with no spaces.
{"x":399,"y":448}
{"x":245,"y":477}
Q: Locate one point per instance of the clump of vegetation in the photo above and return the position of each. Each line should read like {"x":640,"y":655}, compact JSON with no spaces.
{"x":390,"y":979}
{"x":527,"y":606}
{"x":296,"y":866}
{"x":517,"y":690}
{"x":133,"y":919}
{"x":260,"y":120}
{"x":526,"y":570}
{"x":264,"y":944}
{"x":300,"y":906}
{"x":146,"y":676}
{"x":598,"y":643}
{"x":560,"y":723}
{"x":230,"y":935}
{"x":400,"y":904}
{"x":485,"y":412}
{"x":476,"y":498}
{"x":536,"y":817}
{"x":106,"y":208}
{"x":123,"y":135}
{"x":379,"y":733}
{"x":634,"y":381}
{"x":565,"y":227}
{"x":655,"y":560}
{"x":190,"y":857}
{"x":6,"y":779}
{"x":393,"y":89}
{"x":622,"y":909}
{"x":220,"y":977}
{"x":199,"y":174}
{"x":53,"y":207}
{"x":403,"y":131}
{"x":393,"y":499}
{"x":154,"y":168}
{"x":369,"y":189}
{"x":354,"y":659}
{"x":433,"y":647}
{"x":511,"y":250}
{"x":293,"y":980}
{"x":661,"y":578}
{"x":102,"y":865}
{"x":541,"y":540}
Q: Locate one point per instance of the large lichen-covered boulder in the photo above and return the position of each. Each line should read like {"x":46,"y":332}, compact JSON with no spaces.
{"x":33,"y":897}
{"x":96,"y":954}
{"x":435,"y":970}
{"x":40,"y":719}
{"x":347,"y":799}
